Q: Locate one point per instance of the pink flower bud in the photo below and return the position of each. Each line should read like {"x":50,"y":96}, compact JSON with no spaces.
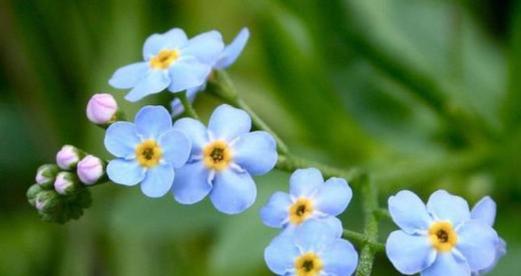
{"x":67,"y":157}
{"x":64,"y":183}
{"x":90,"y":169}
{"x":101,"y":108}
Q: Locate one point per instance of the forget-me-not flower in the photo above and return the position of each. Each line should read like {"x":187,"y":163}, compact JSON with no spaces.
{"x":485,"y":210}
{"x":172,"y":61}
{"x":309,"y":198}
{"x":313,"y":249}
{"x":227,"y":57}
{"x":440,"y":238}
{"x":147,"y":151}
{"x":223,"y":159}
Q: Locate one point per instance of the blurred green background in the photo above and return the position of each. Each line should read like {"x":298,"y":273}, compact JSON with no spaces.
{"x":425,"y":94}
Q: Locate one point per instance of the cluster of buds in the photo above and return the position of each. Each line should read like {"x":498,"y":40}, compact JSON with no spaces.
{"x":60,"y":192}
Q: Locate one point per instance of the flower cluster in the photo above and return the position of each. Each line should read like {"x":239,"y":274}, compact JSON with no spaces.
{"x":310,"y":243}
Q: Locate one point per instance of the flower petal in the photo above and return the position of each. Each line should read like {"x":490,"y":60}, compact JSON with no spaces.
{"x":233,"y":192}
{"x":173,"y":39}
{"x":206,"y":47}
{"x":447,"y":264}
{"x":125,"y":172}
{"x":281,"y":254}
{"x":191,"y":183}
{"x":233,"y":50}
{"x":256,"y":152}
{"x":176,"y":147}
{"x":444,"y":206}
{"x":228,"y":122}
{"x":477,"y":243}
{"x":314,"y":235}
{"x":152,"y":121}
{"x":305,"y":182}
{"x":340,"y":258}
{"x":158,"y":180}
{"x":129,"y":76}
{"x":333,"y":196}
{"x":409,"y":212}
{"x":154,"y":81}
{"x":121,"y":139}
{"x":276,"y":212}
{"x":409,"y":254}
{"x":485,"y":211}
{"x":195,"y":131}
{"x":187,"y":73}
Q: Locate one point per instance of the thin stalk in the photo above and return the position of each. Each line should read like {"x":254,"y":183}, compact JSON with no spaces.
{"x":189,"y":109}
{"x":361,"y":240}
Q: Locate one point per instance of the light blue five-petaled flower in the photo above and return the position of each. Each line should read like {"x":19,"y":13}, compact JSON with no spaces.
{"x":227,"y":57}
{"x":438,"y":239}
{"x":485,"y":210}
{"x":309,"y":198}
{"x":223,"y":159}
{"x":314,"y":248}
{"x":147,"y":151}
{"x":172,"y":61}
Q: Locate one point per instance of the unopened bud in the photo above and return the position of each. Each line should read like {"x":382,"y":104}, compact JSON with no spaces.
{"x":90,"y":169}
{"x":68,"y":157}
{"x":47,"y":201}
{"x":46,"y":173}
{"x":102,"y":109}
{"x":66,"y":183}
{"x":32,"y":192}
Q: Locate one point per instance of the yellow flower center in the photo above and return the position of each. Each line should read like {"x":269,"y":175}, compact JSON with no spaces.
{"x":308,"y":264}
{"x":217,"y":155}
{"x":442,"y":236}
{"x":300,"y":210}
{"x":148,"y":153}
{"x":164,"y":59}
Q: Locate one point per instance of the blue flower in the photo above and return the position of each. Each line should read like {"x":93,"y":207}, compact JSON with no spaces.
{"x":309,"y":198}
{"x":147,"y":151}
{"x":171,"y":61}
{"x":314,"y":249}
{"x":224,"y":157}
{"x":227,"y":57}
{"x":440,"y":238}
{"x":485,"y":211}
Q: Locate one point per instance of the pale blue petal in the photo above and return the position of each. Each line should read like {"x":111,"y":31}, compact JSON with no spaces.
{"x":256,"y":152}
{"x":206,"y":47}
{"x":121,"y":139}
{"x":173,"y":39}
{"x":233,"y":192}
{"x":176,"y":147}
{"x":191,"y":183}
{"x":334,"y":223}
{"x":333,"y":196}
{"x":444,"y":206}
{"x":501,"y":250}
{"x":129,"y":76}
{"x":447,"y":264}
{"x":233,"y":50}
{"x":153,"y":82}
{"x":187,"y":73}
{"x":409,"y":212}
{"x":125,"y":172}
{"x":195,"y":131}
{"x":305,"y":182}
{"x":228,"y":122}
{"x":276,"y":212}
{"x":280,"y":254}
{"x":409,"y":254}
{"x":313,"y":235}
{"x":158,"y":180}
{"x":485,"y":211}
{"x":151,"y":121}
{"x":340,"y":258}
{"x":477,"y":243}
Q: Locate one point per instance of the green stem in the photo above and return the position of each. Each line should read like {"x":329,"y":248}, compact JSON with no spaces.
{"x":370,"y":204}
{"x":189,"y":109}
{"x":362,"y":240}
{"x":221,"y":86}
